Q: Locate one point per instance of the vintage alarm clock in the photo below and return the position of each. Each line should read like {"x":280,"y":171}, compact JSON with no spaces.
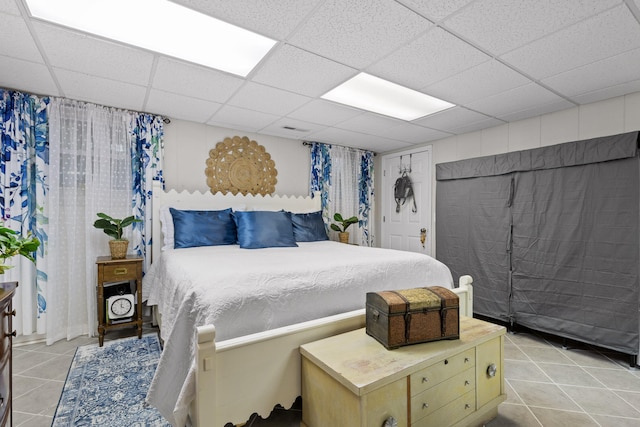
{"x":120,"y":306}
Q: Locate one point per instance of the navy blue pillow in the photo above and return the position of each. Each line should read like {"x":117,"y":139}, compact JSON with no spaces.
{"x":264,"y":229}
{"x":203,"y":228}
{"x":309,"y":227}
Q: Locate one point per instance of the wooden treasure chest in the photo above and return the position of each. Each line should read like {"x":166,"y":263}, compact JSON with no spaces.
{"x":412,"y":316}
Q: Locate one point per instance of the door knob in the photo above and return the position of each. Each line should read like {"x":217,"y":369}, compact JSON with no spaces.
{"x":492,"y":370}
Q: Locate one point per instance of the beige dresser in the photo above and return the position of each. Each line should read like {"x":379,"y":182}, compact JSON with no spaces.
{"x":352,"y":380}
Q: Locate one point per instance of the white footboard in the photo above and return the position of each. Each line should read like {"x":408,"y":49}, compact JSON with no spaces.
{"x":238,"y":377}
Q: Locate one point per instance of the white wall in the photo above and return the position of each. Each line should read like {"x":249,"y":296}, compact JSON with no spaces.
{"x":187,"y":145}
{"x":608,"y":117}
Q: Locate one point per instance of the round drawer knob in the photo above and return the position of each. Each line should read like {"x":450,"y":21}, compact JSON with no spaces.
{"x":492,"y":370}
{"x":390,"y":422}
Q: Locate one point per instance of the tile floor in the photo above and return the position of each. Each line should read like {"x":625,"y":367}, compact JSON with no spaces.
{"x":546,"y":384}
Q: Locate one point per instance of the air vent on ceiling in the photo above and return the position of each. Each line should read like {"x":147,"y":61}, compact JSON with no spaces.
{"x":295,"y":129}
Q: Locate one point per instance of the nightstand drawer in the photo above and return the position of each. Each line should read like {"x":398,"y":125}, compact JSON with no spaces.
{"x":436,"y":397}
{"x":438,"y":372}
{"x":117,"y":272}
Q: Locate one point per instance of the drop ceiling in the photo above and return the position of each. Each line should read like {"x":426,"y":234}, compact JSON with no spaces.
{"x":498,"y":61}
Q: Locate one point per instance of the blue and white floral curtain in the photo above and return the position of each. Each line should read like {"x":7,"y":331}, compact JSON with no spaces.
{"x":344,"y":177}
{"x":147,"y":133}
{"x":24,"y":156}
{"x":62,"y":161}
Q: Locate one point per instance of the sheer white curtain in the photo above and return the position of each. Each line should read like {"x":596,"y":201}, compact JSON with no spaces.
{"x":89,"y":172}
{"x":343,"y":192}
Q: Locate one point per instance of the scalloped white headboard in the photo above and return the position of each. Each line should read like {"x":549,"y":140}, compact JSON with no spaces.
{"x":206,"y":201}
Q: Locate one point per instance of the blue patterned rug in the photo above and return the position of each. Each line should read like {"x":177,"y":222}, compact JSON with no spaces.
{"x":106,"y":386}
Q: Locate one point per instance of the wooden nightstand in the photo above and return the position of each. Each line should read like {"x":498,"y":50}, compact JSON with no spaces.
{"x":351,"y":380}
{"x":112,"y":271}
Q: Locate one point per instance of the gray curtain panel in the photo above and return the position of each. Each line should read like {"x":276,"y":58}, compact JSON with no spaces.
{"x":550,"y":236}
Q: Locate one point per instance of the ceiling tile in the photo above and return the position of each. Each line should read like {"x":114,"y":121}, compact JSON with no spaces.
{"x":369,"y":123}
{"x":195,"y":81}
{"x":91,"y":55}
{"x":324,"y":112}
{"x":452,"y":119}
{"x":111,"y":93}
{"x":609,"y":92}
{"x":229,"y":116}
{"x":502,"y":25}
{"x":272,"y":18}
{"x":522,"y":98}
{"x":358,"y":32}
{"x":17,"y":40}
{"x":180,"y":106}
{"x":497,"y":60}
{"x":301,"y":131}
{"x":9,"y":6}
{"x":26,"y":76}
{"x":477,"y":126}
{"x":602,"y":36}
{"x":413,"y":134}
{"x":358,"y":140}
{"x":435,"y":10}
{"x":258,"y":97}
{"x":301,"y":72}
{"x":537,"y":110}
{"x":487,"y":79}
{"x":432,"y":57}
{"x":613,"y":71}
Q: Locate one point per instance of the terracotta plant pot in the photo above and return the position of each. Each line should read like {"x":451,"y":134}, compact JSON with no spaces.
{"x":344,"y":237}
{"x":118,"y":248}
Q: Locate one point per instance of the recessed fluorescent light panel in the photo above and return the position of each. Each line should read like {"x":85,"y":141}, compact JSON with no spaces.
{"x":381,"y":96}
{"x":163,"y":27}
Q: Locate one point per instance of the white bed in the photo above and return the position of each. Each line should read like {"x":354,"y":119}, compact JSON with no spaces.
{"x":264,"y":303}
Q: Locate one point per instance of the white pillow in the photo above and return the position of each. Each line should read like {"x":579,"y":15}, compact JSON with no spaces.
{"x":166,"y":221}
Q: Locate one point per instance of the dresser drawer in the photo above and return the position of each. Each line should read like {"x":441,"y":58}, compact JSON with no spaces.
{"x":438,"y":372}
{"x":451,"y":413}
{"x":117,"y":272}
{"x":436,"y":397}
{"x":5,"y":392}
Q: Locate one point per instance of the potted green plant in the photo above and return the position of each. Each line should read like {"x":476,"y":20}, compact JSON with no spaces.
{"x":12,"y":244}
{"x":343,"y":234}
{"x":114,"y":227}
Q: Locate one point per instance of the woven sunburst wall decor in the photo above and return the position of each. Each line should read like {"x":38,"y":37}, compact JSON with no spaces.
{"x":239,"y":165}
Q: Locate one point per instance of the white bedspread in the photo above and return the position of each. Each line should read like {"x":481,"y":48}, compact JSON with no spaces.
{"x":243,"y":291}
